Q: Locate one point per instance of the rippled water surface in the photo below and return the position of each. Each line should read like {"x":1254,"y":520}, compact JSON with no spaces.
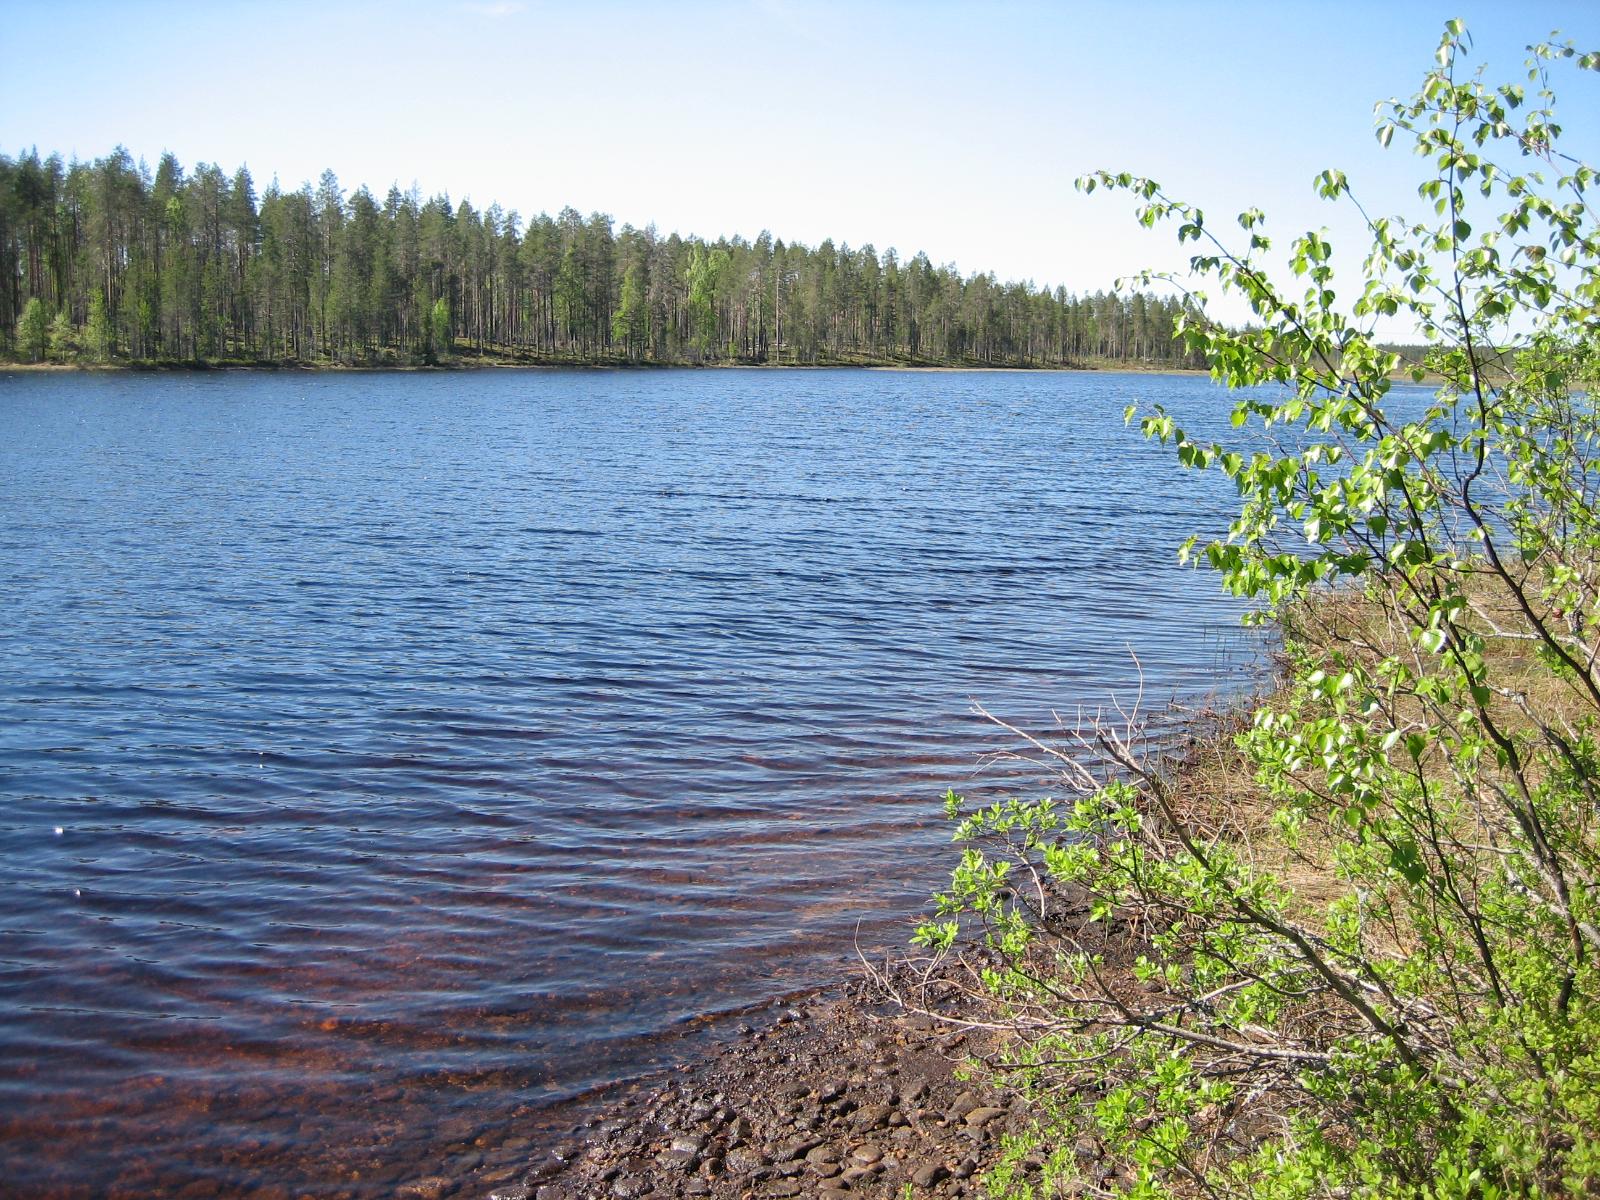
{"x":386,"y":757}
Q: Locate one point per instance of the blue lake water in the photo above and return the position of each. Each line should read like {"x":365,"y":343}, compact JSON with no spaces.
{"x":385,"y":758}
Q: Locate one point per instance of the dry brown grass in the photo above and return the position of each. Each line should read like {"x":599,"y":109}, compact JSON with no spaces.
{"x":1214,"y":784}
{"x":1216,"y":792}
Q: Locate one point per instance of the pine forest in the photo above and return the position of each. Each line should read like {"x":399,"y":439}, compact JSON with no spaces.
{"x":106,"y":262}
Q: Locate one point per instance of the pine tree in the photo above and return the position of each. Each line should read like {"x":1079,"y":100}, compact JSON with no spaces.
{"x":63,"y":338}
{"x":100,"y":337}
{"x":32,"y":330}
{"x":441,"y":340}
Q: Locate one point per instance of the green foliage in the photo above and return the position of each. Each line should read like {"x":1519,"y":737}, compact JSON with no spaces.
{"x":441,"y":340}
{"x":197,"y":266}
{"x":628,"y":323}
{"x":63,"y":338}
{"x":704,"y":275}
{"x":100,"y":337}
{"x":32,"y":330}
{"x":1426,"y":1021}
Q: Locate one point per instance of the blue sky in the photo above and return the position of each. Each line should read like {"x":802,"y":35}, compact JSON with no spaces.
{"x":952,"y":128}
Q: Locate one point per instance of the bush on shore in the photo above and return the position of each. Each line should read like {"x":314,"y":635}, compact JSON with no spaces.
{"x":1378,"y":973}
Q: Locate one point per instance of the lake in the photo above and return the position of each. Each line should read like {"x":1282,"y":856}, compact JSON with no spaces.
{"x":387,"y":758}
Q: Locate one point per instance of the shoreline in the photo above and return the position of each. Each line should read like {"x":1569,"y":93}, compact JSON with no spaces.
{"x":888,"y":1083}
{"x":1099,"y":367}
{"x":323,"y":368}
{"x":863,"y":1089}
{"x":837,"y":1094}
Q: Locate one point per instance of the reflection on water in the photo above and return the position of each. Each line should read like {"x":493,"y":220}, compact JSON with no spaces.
{"x":387,"y":757}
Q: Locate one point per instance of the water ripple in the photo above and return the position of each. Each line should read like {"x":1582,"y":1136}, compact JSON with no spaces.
{"x":388,"y":756}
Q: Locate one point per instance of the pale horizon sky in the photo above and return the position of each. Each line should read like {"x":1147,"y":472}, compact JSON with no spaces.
{"x":954,"y":129}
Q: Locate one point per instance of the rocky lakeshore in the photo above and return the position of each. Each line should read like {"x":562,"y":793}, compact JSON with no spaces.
{"x":843,"y":1094}
{"x":839,"y":1096}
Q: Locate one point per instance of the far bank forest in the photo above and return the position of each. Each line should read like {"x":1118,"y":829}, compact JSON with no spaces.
{"x":109,"y":262}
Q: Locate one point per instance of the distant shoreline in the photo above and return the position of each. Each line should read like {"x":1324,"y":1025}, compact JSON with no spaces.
{"x":1104,"y":367}
{"x":136,"y":367}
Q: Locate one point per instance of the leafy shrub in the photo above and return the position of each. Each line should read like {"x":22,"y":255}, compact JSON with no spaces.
{"x":1382,"y":978}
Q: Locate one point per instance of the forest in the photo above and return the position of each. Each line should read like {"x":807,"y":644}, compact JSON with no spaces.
{"x":109,"y":262}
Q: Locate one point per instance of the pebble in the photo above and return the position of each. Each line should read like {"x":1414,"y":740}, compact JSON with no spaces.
{"x":745,"y":1161}
{"x":796,"y":1148}
{"x":964,"y":1103}
{"x":768,"y":1118}
{"x":874,"y":1116}
{"x":929,"y":1174}
{"x":430,"y":1187}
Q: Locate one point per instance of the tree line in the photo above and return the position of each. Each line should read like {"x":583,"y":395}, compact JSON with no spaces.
{"x":108,"y":261}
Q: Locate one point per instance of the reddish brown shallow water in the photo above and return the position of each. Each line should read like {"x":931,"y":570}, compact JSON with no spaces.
{"x":388,"y":760}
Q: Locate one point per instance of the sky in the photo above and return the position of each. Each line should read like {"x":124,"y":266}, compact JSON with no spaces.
{"x":955,"y":129}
